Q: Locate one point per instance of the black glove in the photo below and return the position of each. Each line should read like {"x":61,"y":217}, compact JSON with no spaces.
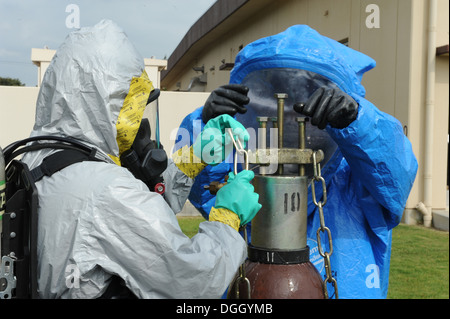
{"x":228,"y":99}
{"x":329,"y":106}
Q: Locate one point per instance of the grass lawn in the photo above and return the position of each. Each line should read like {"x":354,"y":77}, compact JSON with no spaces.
{"x":419,"y":261}
{"x":189,"y":225}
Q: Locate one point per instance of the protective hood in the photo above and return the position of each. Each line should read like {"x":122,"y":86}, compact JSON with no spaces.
{"x":297,"y":62}
{"x":300,"y":47}
{"x":95,"y":90}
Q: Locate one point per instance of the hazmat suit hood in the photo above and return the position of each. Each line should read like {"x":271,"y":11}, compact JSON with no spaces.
{"x":95,"y":90}
{"x":300,"y":47}
{"x":297,"y":62}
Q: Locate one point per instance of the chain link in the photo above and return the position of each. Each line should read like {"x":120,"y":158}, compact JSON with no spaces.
{"x":323,"y":229}
{"x":242,"y":278}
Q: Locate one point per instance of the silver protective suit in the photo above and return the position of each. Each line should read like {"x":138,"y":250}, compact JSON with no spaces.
{"x":95,"y":219}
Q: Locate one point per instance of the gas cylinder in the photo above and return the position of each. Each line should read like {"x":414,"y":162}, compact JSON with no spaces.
{"x":2,"y":183}
{"x":2,"y":189}
{"x":278,"y":265}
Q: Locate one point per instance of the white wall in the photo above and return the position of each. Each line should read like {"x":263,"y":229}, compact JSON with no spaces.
{"x":17,"y":111}
{"x":173,"y":107}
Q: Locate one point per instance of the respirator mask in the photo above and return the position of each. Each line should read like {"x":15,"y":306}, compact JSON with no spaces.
{"x":146,"y":159}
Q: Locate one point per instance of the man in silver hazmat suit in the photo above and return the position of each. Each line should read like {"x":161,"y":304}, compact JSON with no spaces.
{"x":97,"y":221}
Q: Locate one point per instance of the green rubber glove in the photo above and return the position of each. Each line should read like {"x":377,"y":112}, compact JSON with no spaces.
{"x":213,"y":145}
{"x":239,"y":197}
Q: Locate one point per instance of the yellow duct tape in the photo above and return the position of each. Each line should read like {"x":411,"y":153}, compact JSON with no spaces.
{"x":131,"y":114}
{"x":224,"y":216}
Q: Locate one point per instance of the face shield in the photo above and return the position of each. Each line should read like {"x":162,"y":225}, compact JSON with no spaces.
{"x":299,"y":85}
{"x":151,"y":113}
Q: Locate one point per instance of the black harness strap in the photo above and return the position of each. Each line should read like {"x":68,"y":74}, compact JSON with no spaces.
{"x":56,"y":162}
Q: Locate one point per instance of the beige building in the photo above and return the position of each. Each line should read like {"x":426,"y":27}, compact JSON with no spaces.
{"x":408,"y":39}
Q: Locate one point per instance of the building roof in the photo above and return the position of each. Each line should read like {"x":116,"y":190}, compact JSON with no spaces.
{"x":217,"y":21}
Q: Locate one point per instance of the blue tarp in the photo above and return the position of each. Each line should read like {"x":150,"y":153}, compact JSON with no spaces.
{"x":368,"y":178}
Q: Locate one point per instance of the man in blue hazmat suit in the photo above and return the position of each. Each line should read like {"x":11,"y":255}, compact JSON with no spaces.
{"x":369,"y":166}
{"x":102,"y":233}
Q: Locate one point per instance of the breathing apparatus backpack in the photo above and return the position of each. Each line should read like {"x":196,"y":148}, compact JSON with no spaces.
{"x":19,"y":203}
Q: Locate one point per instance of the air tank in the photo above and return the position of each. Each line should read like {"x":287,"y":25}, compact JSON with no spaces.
{"x":278,"y":265}
{"x":2,"y":183}
{"x":2,"y":190}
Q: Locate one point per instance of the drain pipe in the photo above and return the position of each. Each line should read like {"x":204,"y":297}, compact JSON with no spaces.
{"x":427,"y":216}
{"x":426,"y":207}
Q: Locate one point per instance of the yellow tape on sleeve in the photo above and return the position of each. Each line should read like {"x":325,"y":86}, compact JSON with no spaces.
{"x":224,"y":216}
{"x":187,"y":162}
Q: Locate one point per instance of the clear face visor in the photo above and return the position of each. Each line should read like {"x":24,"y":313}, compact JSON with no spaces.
{"x":299,"y":85}
{"x":151,"y":113}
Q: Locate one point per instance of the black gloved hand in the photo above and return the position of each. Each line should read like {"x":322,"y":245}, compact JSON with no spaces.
{"x":227,"y":99}
{"x":329,"y":106}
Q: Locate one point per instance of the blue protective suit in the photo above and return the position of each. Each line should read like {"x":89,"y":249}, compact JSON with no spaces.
{"x":368,"y":178}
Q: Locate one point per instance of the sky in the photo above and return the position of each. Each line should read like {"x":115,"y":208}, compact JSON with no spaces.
{"x":155,"y":27}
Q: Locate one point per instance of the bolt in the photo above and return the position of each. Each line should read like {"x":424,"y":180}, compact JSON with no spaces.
{"x":280,"y":115}
{"x":262,"y":132}
{"x":301,"y":140}
{"x":281,"y":95}
{"x":274,"y":121}
{"x":262,"y":120}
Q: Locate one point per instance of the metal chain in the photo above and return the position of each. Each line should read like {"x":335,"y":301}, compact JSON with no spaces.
{"x":326,"y":255}
{"x":242,"y":278}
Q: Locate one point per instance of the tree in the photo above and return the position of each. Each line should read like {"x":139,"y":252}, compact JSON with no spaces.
{"x":10,"y":82}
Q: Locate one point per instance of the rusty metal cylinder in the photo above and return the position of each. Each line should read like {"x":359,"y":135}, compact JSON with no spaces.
{"x":272,"y":281}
